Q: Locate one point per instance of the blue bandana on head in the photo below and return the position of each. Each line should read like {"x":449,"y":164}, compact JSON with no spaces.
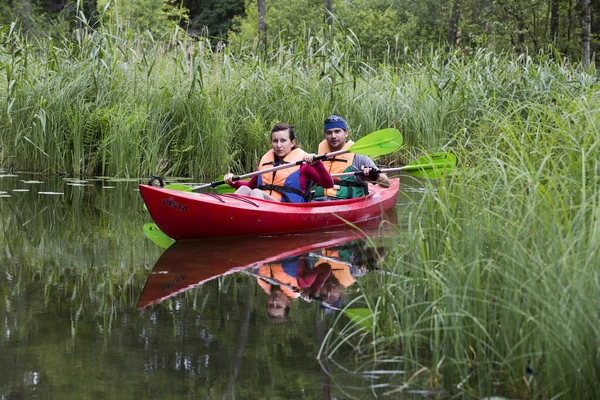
{"x":334,"y":122}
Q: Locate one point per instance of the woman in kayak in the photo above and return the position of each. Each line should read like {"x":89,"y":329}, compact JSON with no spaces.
{"x":291,"y":185}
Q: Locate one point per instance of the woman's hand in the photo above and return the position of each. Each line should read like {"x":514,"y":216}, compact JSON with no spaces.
{"x":309,"y":158}
{"x":228,"y":179}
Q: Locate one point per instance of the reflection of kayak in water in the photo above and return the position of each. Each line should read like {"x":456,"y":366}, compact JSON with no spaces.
{"x":187,"y":264}
{"x":184,"y":215}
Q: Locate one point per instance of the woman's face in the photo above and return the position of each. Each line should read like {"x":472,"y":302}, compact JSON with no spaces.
{"x":281,"y":143}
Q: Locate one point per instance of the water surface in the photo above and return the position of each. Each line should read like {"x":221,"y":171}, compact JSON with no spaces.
{"x":92,"y":308}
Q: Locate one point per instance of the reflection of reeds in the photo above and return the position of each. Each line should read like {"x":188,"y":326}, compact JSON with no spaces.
{"x":499,"y":292}
{"x":86,"y":245}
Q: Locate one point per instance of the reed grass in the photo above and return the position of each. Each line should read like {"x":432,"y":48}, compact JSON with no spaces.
{"x":499,"y":285}
{"x":111,"y":103}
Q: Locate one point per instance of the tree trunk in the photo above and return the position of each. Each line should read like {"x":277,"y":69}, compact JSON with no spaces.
{"x":90,"y":10}
{"x":453,"y":32}
{"x":520,"y":44}
{"x":553,"y":21}
{"x":262,"y":26}
{"x":586,"y":27}
{"x":25,"y":14}
{"x":329,"y":12}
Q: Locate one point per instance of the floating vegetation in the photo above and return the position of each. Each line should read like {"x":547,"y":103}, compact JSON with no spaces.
{"x":31,"y":182}
{"x":4,"y":195}
{"x":108,"y":187}
{"x":125,"y":179}
{"x":51,"y":193}
{"x":20,"y":190}
{"x":73,"y":181}
{"x":78,"y":184}
{"x":174,"y":179}
{"x":8,"y":176}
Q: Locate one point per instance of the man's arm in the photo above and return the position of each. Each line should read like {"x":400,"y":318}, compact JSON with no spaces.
{"x":361,"y":161}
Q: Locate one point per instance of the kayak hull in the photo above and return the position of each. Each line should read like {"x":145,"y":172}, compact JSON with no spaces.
{"x":185,"y":215}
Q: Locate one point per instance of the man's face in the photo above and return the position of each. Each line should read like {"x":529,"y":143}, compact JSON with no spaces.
{"x":336,"y":137}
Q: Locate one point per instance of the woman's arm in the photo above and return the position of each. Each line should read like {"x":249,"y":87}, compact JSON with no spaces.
{"x":317,"y":173}
{"x":252,"y":183}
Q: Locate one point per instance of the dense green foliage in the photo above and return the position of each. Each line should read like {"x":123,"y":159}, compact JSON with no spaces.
{"x":381,"y":28}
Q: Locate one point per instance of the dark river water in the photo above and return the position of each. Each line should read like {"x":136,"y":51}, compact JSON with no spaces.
{"x":95,"y":303}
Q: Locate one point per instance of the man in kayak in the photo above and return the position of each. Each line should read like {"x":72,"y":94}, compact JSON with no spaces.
{"x":289,"y":185}
{"x":347,"y":187}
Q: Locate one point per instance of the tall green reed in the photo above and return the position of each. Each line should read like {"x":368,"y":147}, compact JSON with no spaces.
{"x":495,"y":288}
{"x":113,"y":103}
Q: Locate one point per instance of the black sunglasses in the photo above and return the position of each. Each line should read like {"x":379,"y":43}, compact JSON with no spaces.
{"x":333,"y":119}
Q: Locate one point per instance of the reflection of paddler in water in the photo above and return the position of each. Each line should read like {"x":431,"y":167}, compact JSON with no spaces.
{"x":346,"y":262}
{"x":321,"y":275}
{"x":280,"y":295}
{"x":288,"y":279}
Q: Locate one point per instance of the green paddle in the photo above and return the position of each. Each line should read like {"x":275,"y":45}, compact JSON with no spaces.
{"x":432,"y":166}
{"x":378,"y":143}
{"x":153,"y":232}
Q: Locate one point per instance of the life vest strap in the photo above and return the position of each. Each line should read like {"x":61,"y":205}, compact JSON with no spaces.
{"x":351,"y":184}
{"x":283,"y":191}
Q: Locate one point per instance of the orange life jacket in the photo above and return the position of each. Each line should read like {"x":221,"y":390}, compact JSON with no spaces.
{"x":275,"y":272}
{"x":284,"y":184}
{"x":345,"y":187}
{"x":340,"y":269}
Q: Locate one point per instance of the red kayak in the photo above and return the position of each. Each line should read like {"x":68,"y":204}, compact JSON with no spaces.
{"x":184,"y":215}
{"x":188,"y":264}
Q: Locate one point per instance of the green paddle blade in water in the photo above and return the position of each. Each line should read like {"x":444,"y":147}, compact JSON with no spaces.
{"x":378,"y":143}
{"x":153,"y":232}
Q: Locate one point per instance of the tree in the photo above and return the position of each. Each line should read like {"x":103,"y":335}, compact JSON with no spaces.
{"x":453,"y":30}
{"x":262,"y":26}
{"x":586,"y":27}
{"x":212,"y":18}
{"x":329,"y":12}
{"x":154,"y":16}
{"x":554,"y":14}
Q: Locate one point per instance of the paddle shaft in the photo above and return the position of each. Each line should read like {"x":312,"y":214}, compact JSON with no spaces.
{"x":382,"y":171}
{"x":292,"y":288}
{"x":264,"y":171}
{"x":434,"y":162}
